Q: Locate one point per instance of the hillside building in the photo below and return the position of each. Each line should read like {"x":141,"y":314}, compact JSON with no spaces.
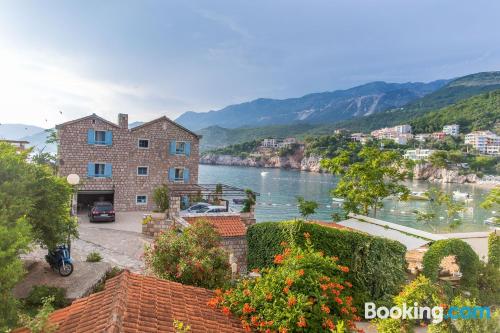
{"x":453,"y":129}
{"x":483,"y":141}
{"x":418,"y":154}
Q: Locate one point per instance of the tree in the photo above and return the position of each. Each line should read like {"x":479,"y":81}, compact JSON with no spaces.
{"x":34,"y":208}
{"x":493,"y":201}
{"x":367,"y":177}
{"x":161,"y":197}
{"x":249,"y":202}
{"x":306,"y":207}
{"x":438,"y":159}
{"x":193,"y":256}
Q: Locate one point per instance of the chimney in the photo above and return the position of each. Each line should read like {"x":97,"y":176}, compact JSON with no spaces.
{"x":123,"y":120}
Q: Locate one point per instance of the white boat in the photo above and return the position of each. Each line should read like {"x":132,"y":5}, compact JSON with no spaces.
{"x":264,"y":173}
{"x":338,"y":200}
{"x":457,"y":195}
{"x":418,"y":196}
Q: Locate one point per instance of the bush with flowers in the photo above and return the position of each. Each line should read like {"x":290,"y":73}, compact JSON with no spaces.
{"x":305,"y":291}
{"x":193,"y":256}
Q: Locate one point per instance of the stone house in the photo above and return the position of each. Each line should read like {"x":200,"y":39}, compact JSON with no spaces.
{"x":124,"y":165}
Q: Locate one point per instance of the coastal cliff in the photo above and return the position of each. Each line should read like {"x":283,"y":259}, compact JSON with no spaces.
{"x":297,"y":161}
{"x":300,"y":162}
{"x":441,"y":175}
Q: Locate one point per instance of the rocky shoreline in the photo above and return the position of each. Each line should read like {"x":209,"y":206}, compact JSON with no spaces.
{"x":298,"y":161}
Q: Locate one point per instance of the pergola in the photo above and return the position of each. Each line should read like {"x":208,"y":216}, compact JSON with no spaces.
{"x":178,"y":190}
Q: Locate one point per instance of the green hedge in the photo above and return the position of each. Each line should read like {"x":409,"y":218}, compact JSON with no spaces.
{"x":377,"y":265}
{"x":466,"y":258}
{"x":494,"y":249}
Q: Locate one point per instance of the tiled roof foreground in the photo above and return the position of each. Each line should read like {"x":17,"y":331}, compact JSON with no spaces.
{"x":226,"y":225}
{"x":133,"y":303}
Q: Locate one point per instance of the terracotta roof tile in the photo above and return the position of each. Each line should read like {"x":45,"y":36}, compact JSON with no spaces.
{"x":135,"y":303}
{"x":226,"y":225}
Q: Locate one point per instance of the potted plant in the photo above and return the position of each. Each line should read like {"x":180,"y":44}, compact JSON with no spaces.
{"x":161,"y":197}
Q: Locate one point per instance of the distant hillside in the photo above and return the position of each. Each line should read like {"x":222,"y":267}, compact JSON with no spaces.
{"x":17,"y":131}
{"x":37,"y":140}
{"x":476,"y":113}
{"x":216,"y":136}
{"x":455,"y":91}
{"x":317,"y":108}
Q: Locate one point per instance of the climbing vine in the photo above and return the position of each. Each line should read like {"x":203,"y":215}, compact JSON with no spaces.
{"x":466,"y":258}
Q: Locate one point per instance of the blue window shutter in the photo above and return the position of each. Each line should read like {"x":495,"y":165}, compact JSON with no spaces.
{"x":172,"y":147}
{"x":91,"y":137}
{"x":171,"y":174}
{"x":108,"y":138}
{"x":188,"y":148}
{"x":186,"y":175}
{"x":107,"y":170}
{"x":90,"y":169}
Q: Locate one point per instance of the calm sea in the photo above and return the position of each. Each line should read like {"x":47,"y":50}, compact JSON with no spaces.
{"x":279,"y":188}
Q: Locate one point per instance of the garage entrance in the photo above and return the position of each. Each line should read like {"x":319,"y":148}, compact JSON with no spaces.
{"x":86,"y":199}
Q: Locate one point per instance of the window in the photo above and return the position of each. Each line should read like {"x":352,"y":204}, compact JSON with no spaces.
{"x":141,"y":199}
{"x":180,"y":147}
{"x":142,"y":171}
{"x":99,"y":169}
{"x":100,"y":137}
{"x":143,"y":143}
{"x":179,"y":174}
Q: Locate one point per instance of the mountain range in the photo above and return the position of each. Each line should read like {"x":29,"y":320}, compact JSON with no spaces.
{"x":316,"y":108}
{"x":363,"y":108}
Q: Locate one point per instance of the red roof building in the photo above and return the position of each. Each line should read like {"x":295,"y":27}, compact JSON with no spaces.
{"x":133,"y":303}
{"x":233,"y":232}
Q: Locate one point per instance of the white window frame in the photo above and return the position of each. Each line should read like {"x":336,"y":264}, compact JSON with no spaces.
{"x":142,"y":139}
{"x":147,"y":170}
{"x":141,"y":203}
{"x":184,"y":151}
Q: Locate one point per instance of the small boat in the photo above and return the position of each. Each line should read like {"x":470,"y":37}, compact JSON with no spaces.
{"x":457,"y":195}
{"x":492,"y":221}
{"x":338,"y":200}
{"x":264,"y":173}
{"x":418,"y":196}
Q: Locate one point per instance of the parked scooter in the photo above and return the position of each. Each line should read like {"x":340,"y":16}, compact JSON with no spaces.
{"x":60,"y":260}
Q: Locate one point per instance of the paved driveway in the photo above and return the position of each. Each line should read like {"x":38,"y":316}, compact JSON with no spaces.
{"x":120,"y":243}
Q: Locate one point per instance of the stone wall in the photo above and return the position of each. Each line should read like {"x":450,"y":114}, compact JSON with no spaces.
{"x":238,"y":247}
{"x":74,"y":153}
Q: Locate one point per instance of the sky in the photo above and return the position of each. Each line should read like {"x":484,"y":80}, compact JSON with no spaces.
{"x":60,"y":60}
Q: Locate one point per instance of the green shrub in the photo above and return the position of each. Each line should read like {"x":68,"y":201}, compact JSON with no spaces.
{"x":494,"y":249}
{"x":377,"y":265}
{"x":305,"y":292}
{"x":423,"y":292}
{"x":94,"y":256}
{"x":193,"y":257}
{"x":37,"y":295}
{"x":466,"y":258}
{"x":161,"y":197}
{"x":109,"y":274}
{"x":489,"y":285}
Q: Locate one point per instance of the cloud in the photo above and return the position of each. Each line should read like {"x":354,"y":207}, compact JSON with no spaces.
{"x":37,"y":86}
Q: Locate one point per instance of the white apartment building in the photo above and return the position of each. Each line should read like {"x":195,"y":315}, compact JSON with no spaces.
{"x":481,"y":140}
{"x":402,"y":129}
{"x":360,"y":137}
{"x":422,"y":137}
{"x":493,"y":150}
{"x":278,"y":143}
{"x":418,"y":154}
{"x":453,"y":129}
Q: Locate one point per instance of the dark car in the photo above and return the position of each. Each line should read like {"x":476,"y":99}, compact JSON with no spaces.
{"x":102,"y":212}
